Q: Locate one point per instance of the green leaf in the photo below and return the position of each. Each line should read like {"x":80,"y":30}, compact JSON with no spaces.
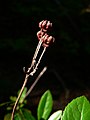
{"x":27,"y":115}
{"x":22,"y":114}
{"x":7,"y":116}
{"x":13,"y":98}
{"x":77,"y":109}
{"x":45,"y":105}
{"x":56,"y":115}
{"x":17,"y":116}
{"x":9,"y":108}
{"x":6,"y":103}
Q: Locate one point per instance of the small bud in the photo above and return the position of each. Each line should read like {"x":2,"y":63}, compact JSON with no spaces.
{"x":45,"y":25}
{"x":50,"y":40}
{"x":45,"y":37}
{"x":40,"y":24}
{"x":40,"y":34}
{"x":48,"y":25}
{"x":47,"y":40}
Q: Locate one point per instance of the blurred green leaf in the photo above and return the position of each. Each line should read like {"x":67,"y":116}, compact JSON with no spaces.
{"x":7,"y":116}
{"x":6,"y":103}
{"x":9,"y":108}
{"x":27,"y":115}
{"x":17,"y":116}
{"x":13,"y":98}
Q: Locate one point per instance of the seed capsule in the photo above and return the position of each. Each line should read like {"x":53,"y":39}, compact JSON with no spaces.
{"x":45,"y":25}
{"x":40,"y":34}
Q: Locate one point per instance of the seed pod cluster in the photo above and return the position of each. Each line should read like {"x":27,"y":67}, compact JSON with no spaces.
{"x":43,"y":35}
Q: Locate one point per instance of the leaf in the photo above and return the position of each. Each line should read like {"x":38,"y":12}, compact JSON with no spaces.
{"x":6,"y":103}
{"x":17,"y":116}
{"x":77,"y":109}
{"x":9,"y":108}
{"x":7,"y":116}
{"x":56,"y":115}
{"x":27,"y":115}
{"x":13,"y":98}
{"x":45,"y":105}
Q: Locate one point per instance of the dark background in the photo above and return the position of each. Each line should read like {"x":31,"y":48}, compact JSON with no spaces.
{"x":68,"y":74}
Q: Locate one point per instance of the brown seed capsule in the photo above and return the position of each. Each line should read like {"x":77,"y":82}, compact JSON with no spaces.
{"x":45,"y":37}
{"x":47,"y":40}
{"x":45,"y":25}
{"x":40,"y":34}
{"x":45,"y":45}
{"x":48,"y":25}
{"x":40,"y":24}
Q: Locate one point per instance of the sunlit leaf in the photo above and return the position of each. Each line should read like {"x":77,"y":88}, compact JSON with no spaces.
{"x":78,"y":109}
{"x":45,"y":105}
{"x":56,"y":115}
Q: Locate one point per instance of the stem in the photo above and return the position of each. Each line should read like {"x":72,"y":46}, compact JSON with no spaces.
{"x":18,"y":98}
{"x":40,"y":57}
{"x":31,"y":88}
{"x":37,"y":79}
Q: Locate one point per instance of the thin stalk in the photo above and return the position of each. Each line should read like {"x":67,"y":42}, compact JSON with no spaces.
{"x":18,"y":98}
{"x":35,"y":82}
{"x":29,"y":91}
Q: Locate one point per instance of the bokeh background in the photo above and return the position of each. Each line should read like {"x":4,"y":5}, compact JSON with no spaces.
{"x":68,"y":74}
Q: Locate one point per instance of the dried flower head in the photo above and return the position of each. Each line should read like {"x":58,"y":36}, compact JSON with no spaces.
{"x":42,"y":35}
{"x":48,"y":40}
{"x":45,"y":25}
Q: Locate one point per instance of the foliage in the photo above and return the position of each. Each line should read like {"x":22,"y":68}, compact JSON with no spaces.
{"x":45,"y":106}
{"x":56,"y":115}
{"x":77,"y":109}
